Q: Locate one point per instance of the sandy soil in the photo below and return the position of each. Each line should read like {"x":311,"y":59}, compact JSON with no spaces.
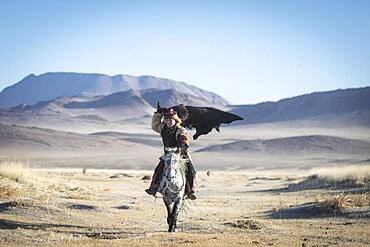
{"x":243,"y":208}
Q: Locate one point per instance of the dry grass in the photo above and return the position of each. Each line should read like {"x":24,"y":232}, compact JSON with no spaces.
{"x":330,"y":203}
{"x":335,"y":203}
{"x":340,"y":177}
{"x":10,"y":189}
{"x":361,"y":200}
{"x":30,"y":187}
{"x":357,"y":174}
{"x":246,"y":224}
{"x":72,"y":191}
{"x":12,"y":179}
{"x":13,"y":170}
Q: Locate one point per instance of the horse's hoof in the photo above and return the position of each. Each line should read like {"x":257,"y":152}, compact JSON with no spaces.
{"x":172,"y":230}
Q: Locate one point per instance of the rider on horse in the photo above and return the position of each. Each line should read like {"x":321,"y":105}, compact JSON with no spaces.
{"x":173,"y":135}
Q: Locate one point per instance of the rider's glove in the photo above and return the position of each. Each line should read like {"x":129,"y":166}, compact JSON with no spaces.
{"x":184,"y":149}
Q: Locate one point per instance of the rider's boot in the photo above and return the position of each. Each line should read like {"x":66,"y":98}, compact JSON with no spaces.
{"x":153,"y":187}
{"x":190,"y":182}
{"x":155,"y":179}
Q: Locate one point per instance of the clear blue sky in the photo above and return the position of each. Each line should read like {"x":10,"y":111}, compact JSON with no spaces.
{"x":246,"y":51}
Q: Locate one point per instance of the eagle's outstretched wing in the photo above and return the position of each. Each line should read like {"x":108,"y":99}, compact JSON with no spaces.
{"x":203,"y":119}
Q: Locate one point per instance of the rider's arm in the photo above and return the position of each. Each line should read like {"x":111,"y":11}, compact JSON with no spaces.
{"x":183,"y":139}
{"x":157,"y":125}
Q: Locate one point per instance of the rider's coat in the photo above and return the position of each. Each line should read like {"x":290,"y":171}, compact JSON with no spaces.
{"x":175,"y":136}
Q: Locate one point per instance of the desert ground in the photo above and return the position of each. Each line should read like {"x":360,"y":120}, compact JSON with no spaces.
{"x":274,"y":197}
{"x":65,"y":207}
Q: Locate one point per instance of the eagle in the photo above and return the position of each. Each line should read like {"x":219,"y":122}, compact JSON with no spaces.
{"x":203,"y":119}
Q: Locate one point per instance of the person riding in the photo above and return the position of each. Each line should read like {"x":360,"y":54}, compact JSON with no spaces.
{"x":173,"y":135}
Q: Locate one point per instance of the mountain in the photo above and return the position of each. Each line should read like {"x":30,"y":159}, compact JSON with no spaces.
{"x":171,"y":97}
{"x":33,"y":89}
{"x":347,"y":107}
{"x":98,"y":98}
{"x":295,"y":145}
{"x":118,"y":107}
{"x":343,"y":105}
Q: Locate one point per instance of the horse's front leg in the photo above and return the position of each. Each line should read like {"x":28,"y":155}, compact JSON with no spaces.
{"x":170,"y":221}
{"x":169,"y":206}
{"x":175,"y":213}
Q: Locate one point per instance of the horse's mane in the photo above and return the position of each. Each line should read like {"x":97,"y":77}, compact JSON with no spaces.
{"x":183,"y":164}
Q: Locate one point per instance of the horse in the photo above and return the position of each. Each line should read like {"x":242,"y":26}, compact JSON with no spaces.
{"x":172,"y":184}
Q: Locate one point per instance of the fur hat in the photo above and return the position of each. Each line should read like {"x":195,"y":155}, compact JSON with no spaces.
{"x":171,"y":113}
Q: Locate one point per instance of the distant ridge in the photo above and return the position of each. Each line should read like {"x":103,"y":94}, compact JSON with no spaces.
{"x":35,"y":88}
{"x":294,"y":145}
{"x":342,"y":105}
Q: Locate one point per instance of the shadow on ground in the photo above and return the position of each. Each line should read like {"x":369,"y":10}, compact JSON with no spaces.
{"x":72,"y":230}
{"x":10,"y":225}
{"x":313,"y":210}
{"x":82,"y":207}
{"x":303,"y":186}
